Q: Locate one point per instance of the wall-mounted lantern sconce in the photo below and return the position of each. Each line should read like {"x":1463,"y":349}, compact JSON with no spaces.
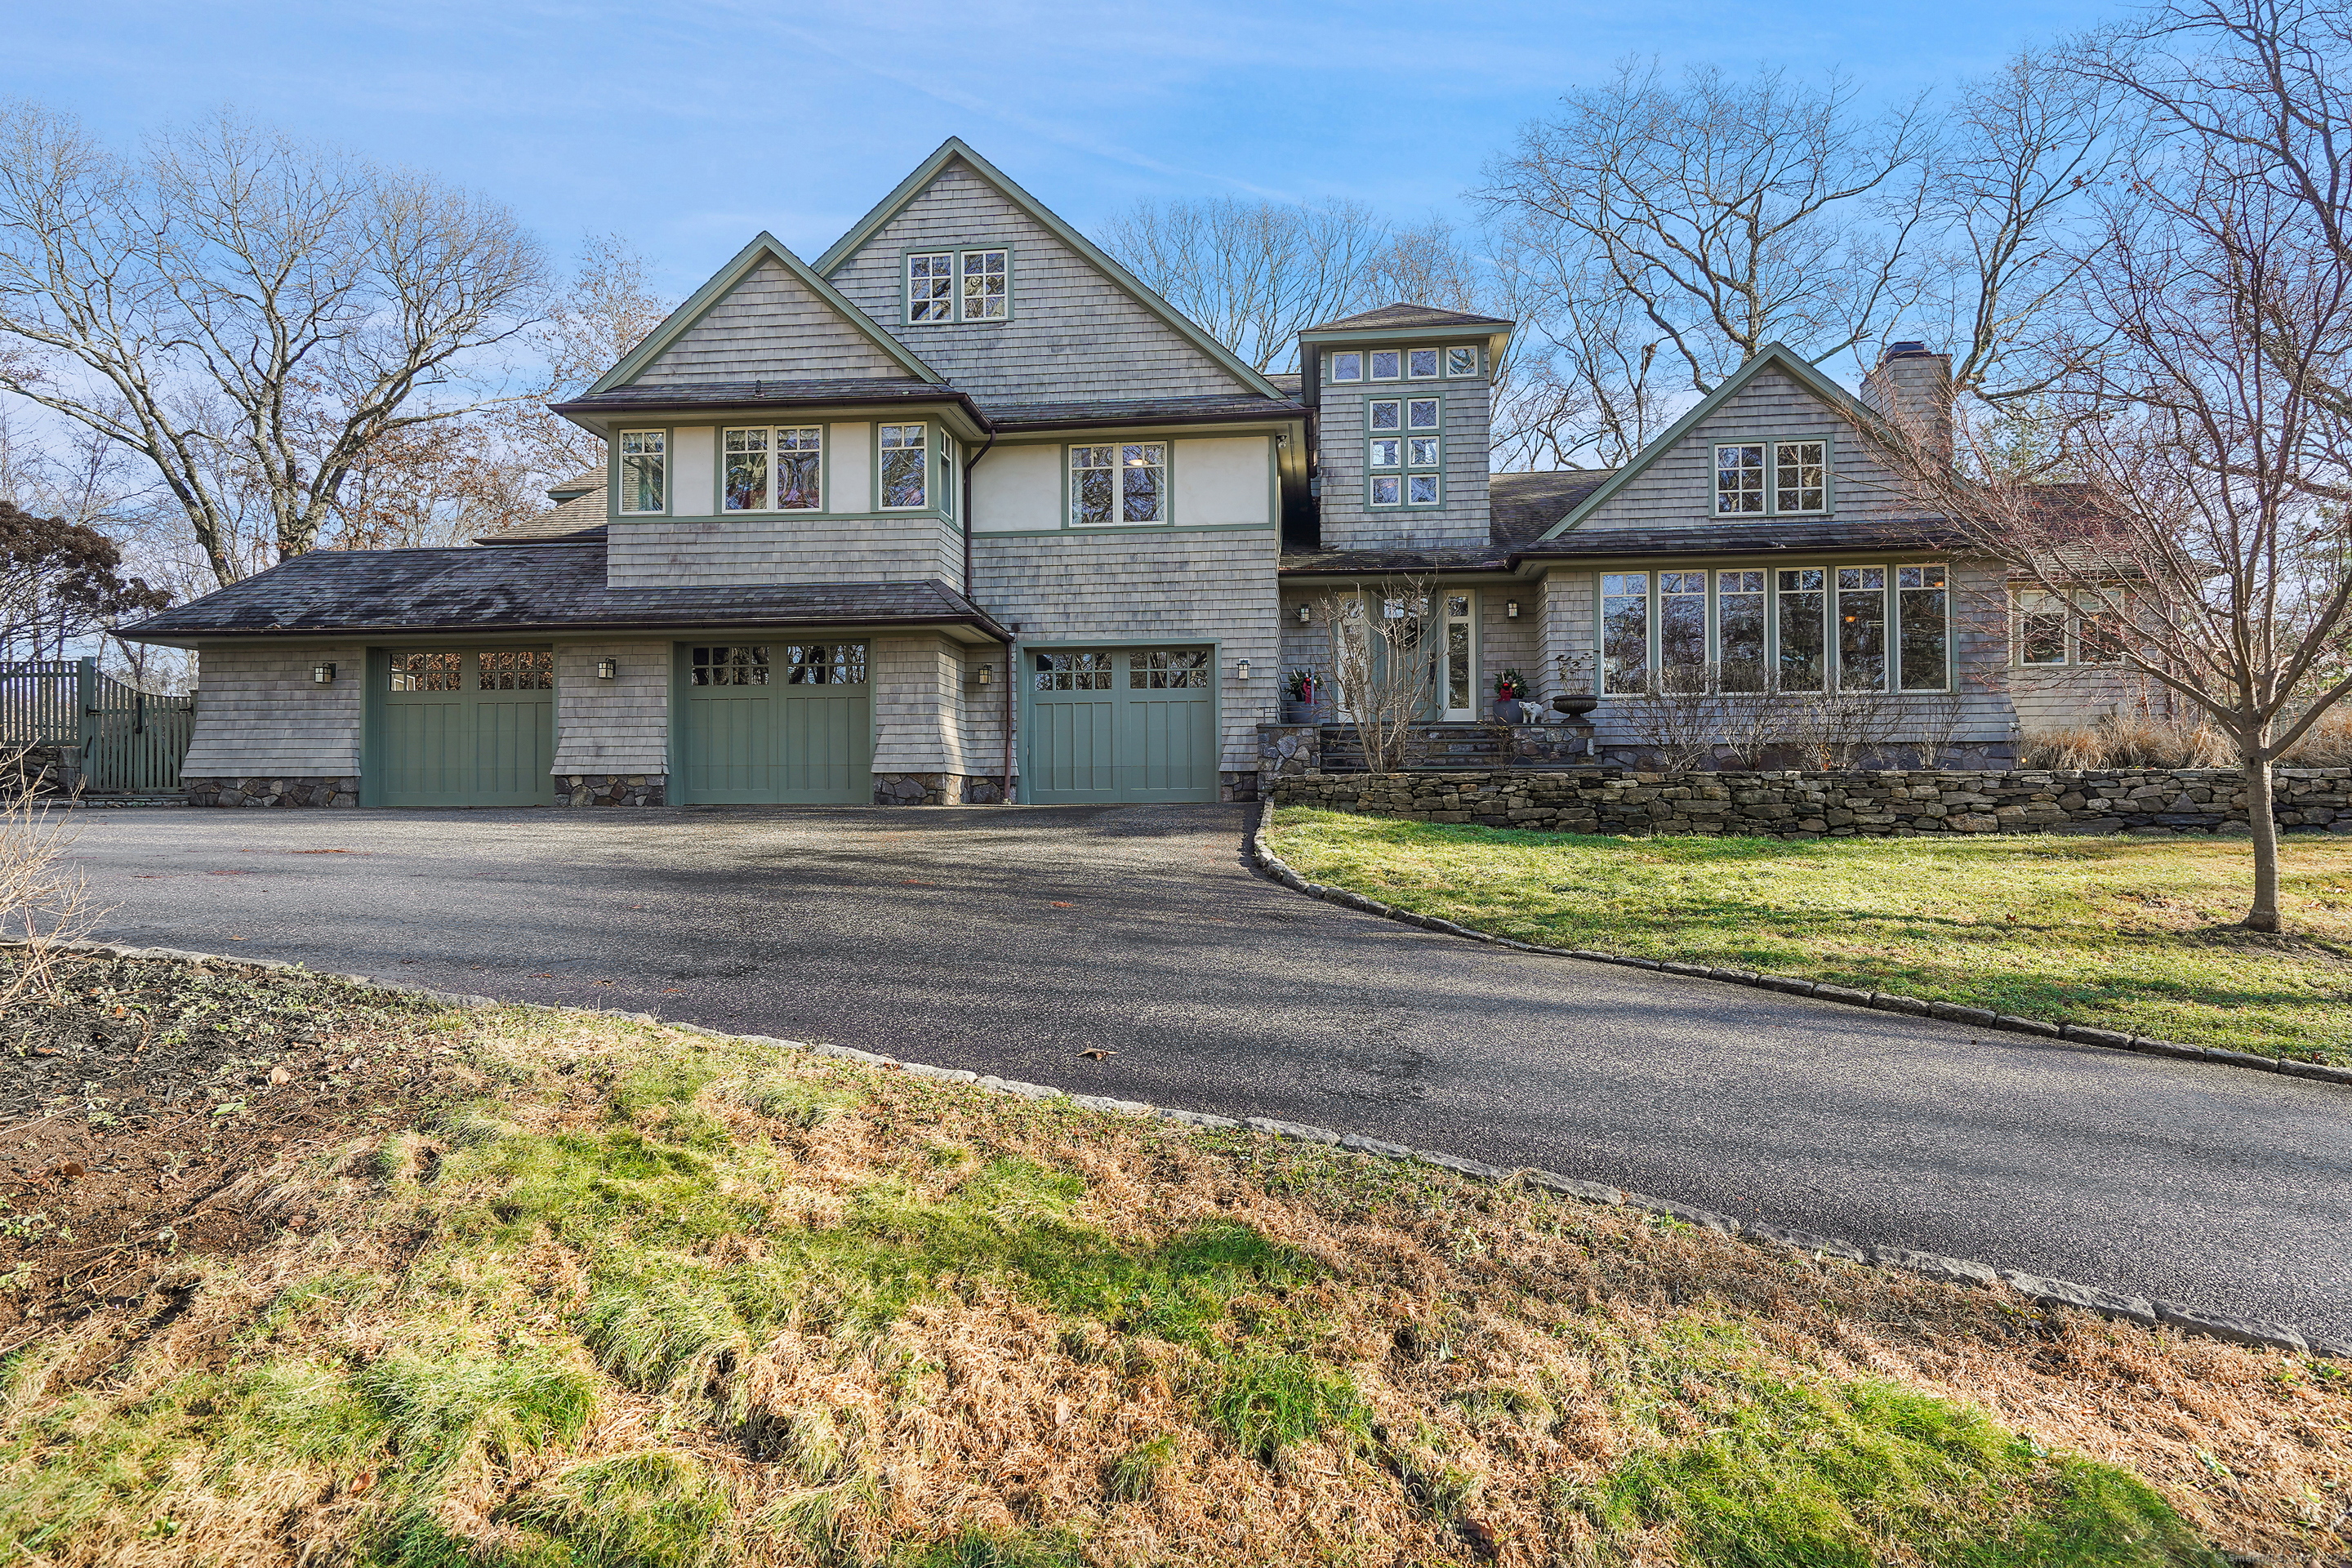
{"x":1510,"y":609}
{"x":1306,"y":614}
{"x":1241,"y":670}
{"x":608,"y":669}
{"x":322,"y":674}
{"x":986,"y":673}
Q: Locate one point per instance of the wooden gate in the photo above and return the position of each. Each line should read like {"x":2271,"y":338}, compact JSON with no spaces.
{"x":129,"y":741}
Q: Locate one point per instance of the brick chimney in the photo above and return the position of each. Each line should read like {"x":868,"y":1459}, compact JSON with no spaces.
{"x":1912,"y":390}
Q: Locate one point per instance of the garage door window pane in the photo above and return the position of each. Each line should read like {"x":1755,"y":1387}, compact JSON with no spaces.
{"x":1164,"y":669}
{"x":736,"y":666}
{"x":515,"y":669}
{"x":1074,"y":672}
{"x":425,"y":671}
{"x":827,"y":664}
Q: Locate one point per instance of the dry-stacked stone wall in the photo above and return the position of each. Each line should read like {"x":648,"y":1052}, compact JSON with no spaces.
{"x":1832,"y":806}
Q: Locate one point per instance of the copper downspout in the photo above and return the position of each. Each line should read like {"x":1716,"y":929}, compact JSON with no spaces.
{"x":1005,"y":785}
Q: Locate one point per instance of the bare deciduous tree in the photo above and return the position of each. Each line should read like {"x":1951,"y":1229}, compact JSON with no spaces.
{"x":606,"y":311}
{"x":1384,"y":663}
{"x":1252,"y":274}
{"x":235,"y":307}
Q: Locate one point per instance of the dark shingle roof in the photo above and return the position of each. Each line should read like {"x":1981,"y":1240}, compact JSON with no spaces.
{"x":779,"y":393}
{"x":1141,"y":411}
{"x":1404,"y":315}
{"x":1702,"y":540}
{"x":1525,"y":505}
{"x":522,"y":587}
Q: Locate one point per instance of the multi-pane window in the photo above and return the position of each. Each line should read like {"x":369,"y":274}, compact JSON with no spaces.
{"x":1739,"y":628}
{"x":1405,"y":469}
{"x":1119,"y":484}
{"x":1682,"y":618}
{"x":1074,"y":672}
{"x":1348,"y":366}
{"x":772,"y":468}
{"x":425,"y":671}
{"x":1803,"y":638}
{"x":1167,"y":670}
{"x":644,"y":461}
{"x":1421,"y":364}
{"x":2040,"y":629}
{"x":514,"y":670}
{"x":824,"y":664}
{"x":931,"y":286}
{"x":906,"y":467}
{"x":1739,"y":480}
{"x":1862,"y":629}
{"x":740,"y":665}
{"x":1922,"y":620}
{"x":2099,"y":629}
{"x":1462,"y":362}
{"x":985,"y":296}
{"x":1384,"y":364}
{"x":1625,"y":631}
{"x":1799,"y":476}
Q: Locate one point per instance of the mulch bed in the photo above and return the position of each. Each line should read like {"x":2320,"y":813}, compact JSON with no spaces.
{"x":140,"y":1089}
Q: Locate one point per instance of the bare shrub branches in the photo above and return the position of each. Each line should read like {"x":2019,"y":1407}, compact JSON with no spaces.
{"x":45,"y":902}
{"x":1384,"y":663}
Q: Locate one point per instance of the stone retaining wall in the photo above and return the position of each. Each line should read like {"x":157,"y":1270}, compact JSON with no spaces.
{"x":1832,"y":806}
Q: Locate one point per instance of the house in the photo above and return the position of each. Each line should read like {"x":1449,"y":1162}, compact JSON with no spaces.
{"x":960,"y":507}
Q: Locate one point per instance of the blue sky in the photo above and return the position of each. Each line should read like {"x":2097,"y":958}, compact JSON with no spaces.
{"x":690,"y":127}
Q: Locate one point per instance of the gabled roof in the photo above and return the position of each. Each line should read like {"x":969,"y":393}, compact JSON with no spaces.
{"x":953,"y":148}
{"x":765,"y":246}
{"x":1778,"y":356}
{"x":845,"y":392}
{"x":1405,"y":315}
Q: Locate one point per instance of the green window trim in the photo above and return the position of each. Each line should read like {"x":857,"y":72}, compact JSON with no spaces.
{"x":1932,"y":578}
{"x":955,"y":301}
{"x":618,"y":456}
{"x":1768,"y":472}
{"x":929,"y":443}
{"x":1410,"y":453}
{"x":1122,"y":456}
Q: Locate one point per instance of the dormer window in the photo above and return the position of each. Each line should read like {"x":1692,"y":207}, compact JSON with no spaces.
{"x":1421,"y":364}
{"x":774,"y":469}
{"x":1755,"y":478}
{"x":1384,"y":364}
{"x":945,"y":286}
{"x":1462,"y":362}
{"x":1348,"y":366}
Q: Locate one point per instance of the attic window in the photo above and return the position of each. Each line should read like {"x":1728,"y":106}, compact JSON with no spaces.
{"x":1462,"y":362}
{"x":931,"y":286}
{"x":945,"y":286}
{"x":986,"y":278}
{"x":1421,"y":364}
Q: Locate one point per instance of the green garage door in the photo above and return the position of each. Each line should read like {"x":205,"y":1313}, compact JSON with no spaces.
{"x":777,"y":725}
{"x":1122,"y":724}
{"x":469,"y":727}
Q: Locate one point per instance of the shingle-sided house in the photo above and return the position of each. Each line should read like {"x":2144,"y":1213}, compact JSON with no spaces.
{"x":962,"y":503}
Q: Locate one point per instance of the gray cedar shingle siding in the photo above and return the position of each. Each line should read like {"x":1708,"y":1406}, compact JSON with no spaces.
{"x":768,"y":326}
{"x":259,"y":714}
{"x":1074,"y":333}
{"x":1164,"y":588}
{"x":914,"y":685}
{"x":1462,"y":521}
{"x":765,"y":548}
{"x":616,"y":726}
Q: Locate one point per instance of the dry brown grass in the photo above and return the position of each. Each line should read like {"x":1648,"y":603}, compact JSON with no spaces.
{"x":2123,"y":740}
{"x":1510,"y":1352}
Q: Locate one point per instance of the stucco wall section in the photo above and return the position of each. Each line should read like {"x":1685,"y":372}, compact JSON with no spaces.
{"x":769,"y":326}
{"x":1074,"y":333}
{"x":616,"y":726}
{"x":258,"y":712}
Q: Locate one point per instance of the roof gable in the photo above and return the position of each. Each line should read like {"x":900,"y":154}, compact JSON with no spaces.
{"x":1405,"y":314}
{"x":955,"y":197}
{"x":1772,"y":356}
{"x":765,"y":315}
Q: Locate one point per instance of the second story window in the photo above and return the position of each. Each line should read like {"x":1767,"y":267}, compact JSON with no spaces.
{"x":1462,"y":362}
{"x":931,"y":286}
{"x":1122,"y":484}
{"x":1348,"y":366}
{"x":1755,"y":479}
{"x":906,"y":468}
{"x":1801,"y":477}
{"x":1421,"y":364}
{"x":984,"y":286}
{"x":1739,"y":480}
{"x":644,"y":464}
{"x":945,"y":286}
{"x":774,"y":469}
{"x":1402,"y":467}
{"x":1384,"y":364}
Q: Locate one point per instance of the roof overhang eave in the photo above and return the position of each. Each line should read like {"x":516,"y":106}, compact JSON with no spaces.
{"x":980,"y":621}
{"x":597,"y":418}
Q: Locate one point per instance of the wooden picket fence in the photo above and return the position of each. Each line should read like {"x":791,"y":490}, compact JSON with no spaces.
{"x":128,"y":741}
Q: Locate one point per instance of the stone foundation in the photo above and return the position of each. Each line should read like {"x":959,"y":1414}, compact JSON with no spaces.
{"x":936,"y":789}
{"x":1233,"y":786}
{"x":612,"y":789}
{"x":311,"y":791}
{"x":2153,"y":802}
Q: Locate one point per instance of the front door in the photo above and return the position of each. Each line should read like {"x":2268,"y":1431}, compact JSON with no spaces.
{"x":776,"y":724}
{"x":469,"y":727}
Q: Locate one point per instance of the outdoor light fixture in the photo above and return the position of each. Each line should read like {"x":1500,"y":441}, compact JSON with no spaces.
{"x":322,"y":674}
{"x":1241,"y":670}
{"x":986,"y":672}
{"x":1510,"y":609}
{"x":1306,"y":614}
{"x":608,"y":669}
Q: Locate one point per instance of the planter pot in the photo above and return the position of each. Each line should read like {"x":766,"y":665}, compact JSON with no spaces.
{"x":1297,"y":713}
{"x":1506,"y":711}
{"x":1576,"y":705}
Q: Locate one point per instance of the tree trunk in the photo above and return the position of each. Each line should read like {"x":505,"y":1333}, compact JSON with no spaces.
{"x":2265,"y":914}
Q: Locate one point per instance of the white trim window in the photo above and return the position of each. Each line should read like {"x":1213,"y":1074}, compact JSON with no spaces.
{"x":1923,"y":605}
{"x":931,"y":286}
{"x":1384,"y":461}
{"x":2041,"y":618}
{"x":1624,"y":631}
{"x":1347,"y":364}
{"x":987,"y":285}
{"x":1739,"y":480}
{"x":906,"y":468}
{"x":1385,"y":364}
{"x":1803,"y":638}
{"x":1461,"y":362}
{"x":772,"y":468}
{"x":1122,"y":485}
{"x":645,"y":471}
{"x":1421,"y":364}
{"x":1800,"y":476}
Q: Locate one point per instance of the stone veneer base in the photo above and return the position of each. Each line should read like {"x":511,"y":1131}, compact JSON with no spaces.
{"x":612,"y":789}
{"x":278,"y":792}
{"x":938,"y":789}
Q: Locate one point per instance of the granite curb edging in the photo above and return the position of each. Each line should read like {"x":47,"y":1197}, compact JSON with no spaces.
{"x":2041,"y":1290}
{"x":1280,"y":870}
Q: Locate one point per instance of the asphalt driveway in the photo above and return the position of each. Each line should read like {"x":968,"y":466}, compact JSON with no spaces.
{"x":1008,"y":941}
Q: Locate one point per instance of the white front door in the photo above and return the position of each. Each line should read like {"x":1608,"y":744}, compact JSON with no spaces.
{"x":1457,"y":668}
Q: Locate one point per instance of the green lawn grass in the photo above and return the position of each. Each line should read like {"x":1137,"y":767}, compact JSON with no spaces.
{"x":2132,"y":933}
